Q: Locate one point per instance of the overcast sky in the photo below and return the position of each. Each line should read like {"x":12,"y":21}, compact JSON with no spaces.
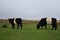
{"x":30,"y":9}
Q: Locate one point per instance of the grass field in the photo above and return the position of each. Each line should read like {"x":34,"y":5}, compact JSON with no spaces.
{"x":29,"y":32}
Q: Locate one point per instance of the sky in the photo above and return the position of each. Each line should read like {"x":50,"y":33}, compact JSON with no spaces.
{"x":29,"y":9}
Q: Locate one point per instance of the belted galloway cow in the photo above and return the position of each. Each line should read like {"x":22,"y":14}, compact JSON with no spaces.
{"x":43,"y":22}
{"x":18,"y":21}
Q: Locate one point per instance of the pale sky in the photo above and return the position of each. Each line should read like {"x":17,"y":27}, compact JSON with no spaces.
{"x":30,"y":9}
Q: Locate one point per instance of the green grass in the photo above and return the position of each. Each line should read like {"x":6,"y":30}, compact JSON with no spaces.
{"x":29,"y":32}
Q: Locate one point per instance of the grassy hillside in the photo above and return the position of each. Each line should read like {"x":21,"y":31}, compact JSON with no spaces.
{"x":29,"y":32}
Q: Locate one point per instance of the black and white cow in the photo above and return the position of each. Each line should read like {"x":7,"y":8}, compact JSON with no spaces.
{"x":43,"y":22}
{"x":14,"y":21}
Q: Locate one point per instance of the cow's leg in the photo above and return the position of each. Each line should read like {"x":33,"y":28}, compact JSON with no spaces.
{"x":52,"y":27}
{"x":45,"y":27}
{"x":17,"y":26}
{"x":13,"y":25}
{"x":55,"y":27}
{"x":41,"y":27}
{"x":21,"y":26}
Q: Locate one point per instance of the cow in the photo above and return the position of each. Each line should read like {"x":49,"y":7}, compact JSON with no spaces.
{"x":14,"y":21}
{"x":43,"y":22}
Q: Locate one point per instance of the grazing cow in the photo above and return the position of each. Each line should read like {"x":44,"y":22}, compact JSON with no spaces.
{"x":17,"y":21}
{"x":43,"y":22}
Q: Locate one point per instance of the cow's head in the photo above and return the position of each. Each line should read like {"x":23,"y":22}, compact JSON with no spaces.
{"x":38,"y":26}
{"x":11,"y":20}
